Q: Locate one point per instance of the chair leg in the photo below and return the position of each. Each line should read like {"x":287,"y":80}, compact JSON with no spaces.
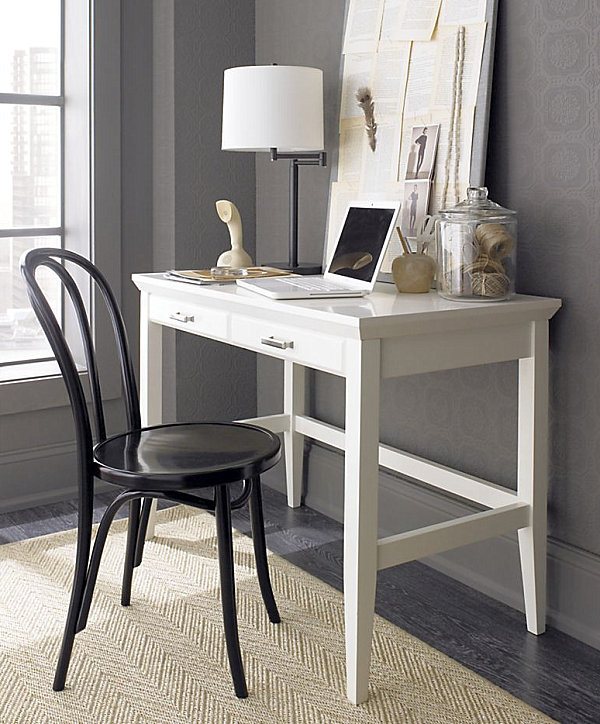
{"x":130,"y":555}
{"x":141,"y":538}
{"x":96,"y":557}
{"x":260,"y":551}
{"x":84,"y":539}
{"x":225,"y":545}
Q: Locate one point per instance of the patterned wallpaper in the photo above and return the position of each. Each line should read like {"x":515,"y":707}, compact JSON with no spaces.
{"x":542,"y":161}
{"x":213,"y":381}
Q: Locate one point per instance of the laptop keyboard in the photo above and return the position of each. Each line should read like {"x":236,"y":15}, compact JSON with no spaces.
{"x":311,"y":284}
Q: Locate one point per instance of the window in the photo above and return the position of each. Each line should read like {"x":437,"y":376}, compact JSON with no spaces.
{"x":60,"y":173}
{"x":31,"y":164}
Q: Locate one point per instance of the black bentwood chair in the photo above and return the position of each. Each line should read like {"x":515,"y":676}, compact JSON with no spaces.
{"x":164,"y":461}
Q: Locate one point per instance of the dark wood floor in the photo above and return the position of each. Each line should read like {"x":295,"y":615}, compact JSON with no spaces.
{"x":554,"y":673}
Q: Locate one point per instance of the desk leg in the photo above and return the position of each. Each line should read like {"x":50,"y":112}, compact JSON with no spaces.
{"x":150,"y":380}
{"x":360,"y":514}
{"x":532,"y":477}
{"x":293,"y":404}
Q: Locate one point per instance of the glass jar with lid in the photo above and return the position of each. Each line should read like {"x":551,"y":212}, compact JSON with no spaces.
{"x":477,"y":245}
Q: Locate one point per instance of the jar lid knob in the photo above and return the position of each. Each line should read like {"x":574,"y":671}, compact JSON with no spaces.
{"x":477,"y":193}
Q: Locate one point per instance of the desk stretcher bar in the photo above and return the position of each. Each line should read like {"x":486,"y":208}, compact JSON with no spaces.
{"x":507,"y":512}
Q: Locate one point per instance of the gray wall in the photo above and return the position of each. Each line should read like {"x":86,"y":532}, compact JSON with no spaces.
{"x":136,"y":155}
{"x":193,"y":43}
{"x":213,"y":381}
{"x":172,"y":172}
{"x":543,"y":161}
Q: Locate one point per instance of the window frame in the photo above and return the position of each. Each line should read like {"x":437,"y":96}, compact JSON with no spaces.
{"x":90,"y":183}
{"x":52,"y":101}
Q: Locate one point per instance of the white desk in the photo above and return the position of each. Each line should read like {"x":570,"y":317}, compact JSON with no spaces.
{"x":366,"y":340}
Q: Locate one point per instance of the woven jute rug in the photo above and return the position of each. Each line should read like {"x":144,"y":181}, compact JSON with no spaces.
{"x":163,"y":659}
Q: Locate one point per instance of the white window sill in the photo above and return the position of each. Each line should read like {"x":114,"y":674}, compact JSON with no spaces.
{"x":35,"y":386}
{"x":28,"y":372}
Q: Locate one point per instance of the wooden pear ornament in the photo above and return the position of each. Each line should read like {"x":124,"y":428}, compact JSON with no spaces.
{"x":236,"y":257}
{"x":413,"y":273}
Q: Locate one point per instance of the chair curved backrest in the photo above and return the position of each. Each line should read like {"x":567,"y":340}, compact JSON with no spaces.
{"x":54,"y":259}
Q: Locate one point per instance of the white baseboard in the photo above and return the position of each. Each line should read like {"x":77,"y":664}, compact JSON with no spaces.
{"x":491,"y":567}
{"x":50,"y":463}
{"x":12,"y":457}
{"x":57,"y":495}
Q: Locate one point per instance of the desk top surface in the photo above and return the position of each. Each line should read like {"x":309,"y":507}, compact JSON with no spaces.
{"x":377,"y":310}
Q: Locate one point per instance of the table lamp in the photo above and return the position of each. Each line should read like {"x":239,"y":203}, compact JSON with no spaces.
{"x":279,"y":109}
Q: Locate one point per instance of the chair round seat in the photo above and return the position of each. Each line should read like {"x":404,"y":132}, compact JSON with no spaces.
{"x":187,"y":455}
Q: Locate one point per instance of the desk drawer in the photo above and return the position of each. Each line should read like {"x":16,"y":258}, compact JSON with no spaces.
{"x":300,"y":345}
{"x":189,"y":317}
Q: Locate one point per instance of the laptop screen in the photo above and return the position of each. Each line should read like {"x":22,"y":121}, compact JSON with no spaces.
{"x":361,"y":242}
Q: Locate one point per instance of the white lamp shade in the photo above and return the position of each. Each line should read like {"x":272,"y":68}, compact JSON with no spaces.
{"x":273,"y":106}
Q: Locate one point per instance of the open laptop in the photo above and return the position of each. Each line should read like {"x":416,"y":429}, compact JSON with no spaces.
{"x":354,"y":265}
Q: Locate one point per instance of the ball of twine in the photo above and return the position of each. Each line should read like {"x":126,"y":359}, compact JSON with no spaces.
{"x":486,"y":277}
{"x":489,"y":284}
{"x":480,"y":270}
{"x":485,"y":265}
{"x":494,"y":240}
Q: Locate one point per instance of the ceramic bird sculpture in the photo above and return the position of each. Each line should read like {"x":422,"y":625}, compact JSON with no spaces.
{"x":236,"y":257}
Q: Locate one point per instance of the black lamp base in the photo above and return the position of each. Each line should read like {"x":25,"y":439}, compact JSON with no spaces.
{"x":303,"y":269}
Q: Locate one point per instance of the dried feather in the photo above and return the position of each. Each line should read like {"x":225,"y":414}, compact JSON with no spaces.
{"x":365,"y":101}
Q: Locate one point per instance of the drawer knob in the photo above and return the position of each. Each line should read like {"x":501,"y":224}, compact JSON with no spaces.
{"x":181,"y":317}
{"x":279,"y":343}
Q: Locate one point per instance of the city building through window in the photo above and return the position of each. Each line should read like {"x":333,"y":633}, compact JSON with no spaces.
{"x":31,"y":203}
